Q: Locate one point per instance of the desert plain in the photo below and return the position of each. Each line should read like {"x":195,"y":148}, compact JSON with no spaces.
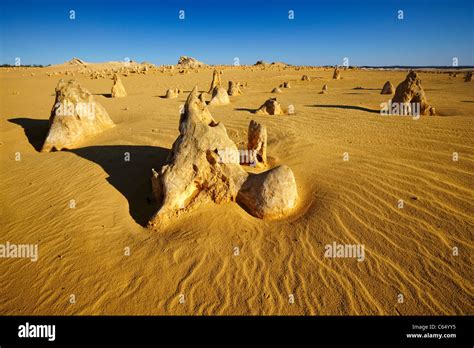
{"x":351,"y":164}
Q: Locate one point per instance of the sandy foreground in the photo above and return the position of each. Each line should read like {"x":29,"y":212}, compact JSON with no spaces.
{"x":191,"y":267}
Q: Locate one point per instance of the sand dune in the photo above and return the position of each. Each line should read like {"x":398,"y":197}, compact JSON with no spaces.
{"x":81,"y":250}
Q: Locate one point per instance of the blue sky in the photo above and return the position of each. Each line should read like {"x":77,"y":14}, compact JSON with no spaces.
{"x":368,"y":32}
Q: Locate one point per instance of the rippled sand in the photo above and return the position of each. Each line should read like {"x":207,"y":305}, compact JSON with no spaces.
{"x":408,"y":251}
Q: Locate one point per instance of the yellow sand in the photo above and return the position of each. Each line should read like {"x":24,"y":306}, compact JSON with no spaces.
{"x":408,"y":251}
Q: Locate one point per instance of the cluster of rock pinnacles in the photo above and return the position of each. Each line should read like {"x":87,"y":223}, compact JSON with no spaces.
{"x":195,"y":173}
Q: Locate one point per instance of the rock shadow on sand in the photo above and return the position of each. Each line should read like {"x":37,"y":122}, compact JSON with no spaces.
{"x":105,"y":95}
{"x":35,"y":130}
{"x":246,"y":109}
{"x":347,"y":107}
{"x":131,"y":178}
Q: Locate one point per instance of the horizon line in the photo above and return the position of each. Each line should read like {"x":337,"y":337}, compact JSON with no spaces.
{"x":5,"y":65}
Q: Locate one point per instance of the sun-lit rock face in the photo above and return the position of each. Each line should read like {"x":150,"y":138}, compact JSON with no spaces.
{"x":257,"y":141}
{"x":410,"y":92}
{"x":234,"y":89}
{"x":189,"y":62}
{"x":271,"y":194}
{"x":75,"y":116}
{"x":196,"y":172}
{"x":216,"y":80}
{"x":219,"y":97}
{"x":270,"y":107}
{"x":172,"y":93}
{"x":118,"y":90}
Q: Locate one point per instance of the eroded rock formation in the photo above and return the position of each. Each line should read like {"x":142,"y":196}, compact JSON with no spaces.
{"x":189,"y":62}
{"x":75,"y":116}
{"x":216,"y":80}
{"x":196,"y":173}
{"x":257,"y":142}
{"x":172,"y":93}
{"x":118,"y":90}
{"x":219,"y":97}
{"x":234,"y":89}
{"x":271,"y":194}
{"x":270,"y":107}
{"x":410,"y":92}
{"x":387,"y":88}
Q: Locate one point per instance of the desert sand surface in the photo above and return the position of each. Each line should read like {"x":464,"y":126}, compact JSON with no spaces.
{"x":191,"y":266}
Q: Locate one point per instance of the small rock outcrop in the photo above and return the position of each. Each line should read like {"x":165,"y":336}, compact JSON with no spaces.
{"x":118,"y":90}
{"x":257,"y":142}
{"x":216,"y":80}
{"x":77,"y":62}
{"x":219,"y":97}
{"x":305,"y":78}
{"x":196,"y":173}
{"x":337,"y":74}
{"x":387,"y":88}
{"x":270,"y":107}
{"x":271,"y":194}
{"x":75,"y":116}
{"x":189,"y":62}
{"x":172,"y":93}
{"x":234,"y":89}
{"x":409,"y":92}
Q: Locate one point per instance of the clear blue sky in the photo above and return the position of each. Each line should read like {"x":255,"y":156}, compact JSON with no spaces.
{"x":368,"y":32}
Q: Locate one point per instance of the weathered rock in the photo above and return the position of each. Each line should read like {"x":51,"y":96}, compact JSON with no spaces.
{"x":269,"y":195}
{"x":118,"y":90}
{"x":276,"y":90}
{"x":285,"y":85}
{"x":257,"y":142}
{"x":337,"y":74}
{"x":216,"y":80}
{"x":203,"y":96}
{"x":195,"y":172}
{"x":76,"y":61}
{"x":324,"y":90}
{"x":409,"y":92}
{"x":219,"y":97}
{"x":190,"y":62}
{"x":387,"y":88}
{"x":305,"y":78}
{"x":234,"y":89}
{"x":172,"y":93}
{"x":270,"y":107}
{"x":468,"y":77}
{"x":74,"y":117}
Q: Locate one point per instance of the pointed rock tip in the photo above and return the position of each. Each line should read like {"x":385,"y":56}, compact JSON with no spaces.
{"x":192,"y":95}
